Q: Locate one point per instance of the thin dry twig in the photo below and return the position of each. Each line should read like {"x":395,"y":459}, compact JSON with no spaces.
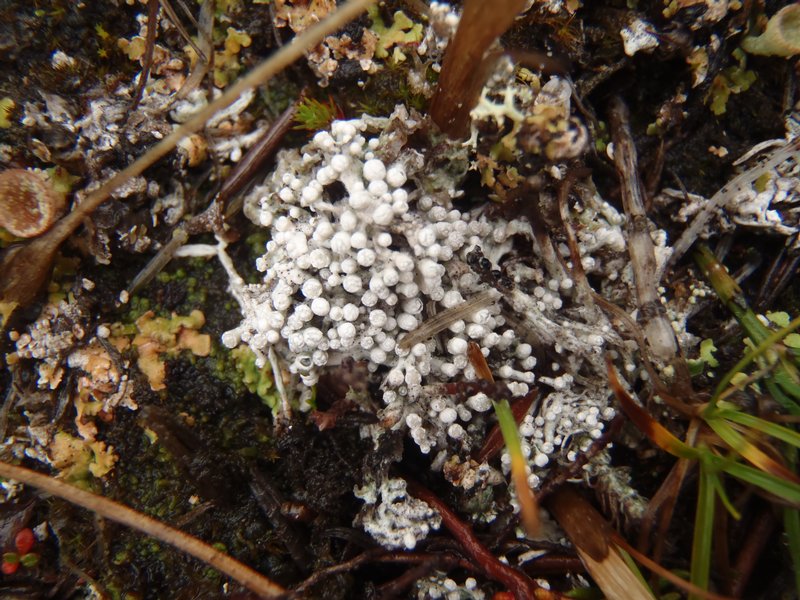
{"x":114,"y":511}
{"x":150,"y":45}
{"x":211,"y":218}
{"x":443,"y":320}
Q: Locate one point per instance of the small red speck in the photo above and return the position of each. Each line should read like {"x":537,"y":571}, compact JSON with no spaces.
{"x":9,"y":568}
{"x":24,"y":540}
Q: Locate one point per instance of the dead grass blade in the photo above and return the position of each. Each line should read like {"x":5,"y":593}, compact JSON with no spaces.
{"x":657,"y":433}
{"x":592,"y":536}
{"x":665,"y":573}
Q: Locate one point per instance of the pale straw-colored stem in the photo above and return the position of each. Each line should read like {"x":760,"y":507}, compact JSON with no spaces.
{"x":115,"y":511}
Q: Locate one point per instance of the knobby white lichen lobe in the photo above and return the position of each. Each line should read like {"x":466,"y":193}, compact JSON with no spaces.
{"x":369,"y":239}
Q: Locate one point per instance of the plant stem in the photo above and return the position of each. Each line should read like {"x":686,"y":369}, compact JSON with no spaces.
{"x":115,"y":511}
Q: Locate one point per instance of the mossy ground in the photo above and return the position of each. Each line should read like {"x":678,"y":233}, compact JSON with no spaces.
{"x":213,"y":433}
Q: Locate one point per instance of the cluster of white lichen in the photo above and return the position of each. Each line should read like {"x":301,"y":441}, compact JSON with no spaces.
{"x":49,"y":340}
{"x":440,"y":586}
{"x":367,"y":243}
{"x":393,"y":517}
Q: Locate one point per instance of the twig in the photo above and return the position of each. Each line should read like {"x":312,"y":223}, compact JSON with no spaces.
{"x":115,"y":511}
{"x":443,"y":320}
{"x":752,"y":550}
{"x":256,"y":157}
{"x":465,"y":68}
{"x":149,"y":47}
{"x":657,"y":328}
{"x":379,"y":556}
{"x":173,"y":17}
{"x":241,"y":175}
{"x":205,"y":50}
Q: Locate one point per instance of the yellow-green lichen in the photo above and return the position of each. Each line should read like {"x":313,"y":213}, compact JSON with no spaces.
{"x":159,"y":337}
{"x":733,"y":80}
{"x":401,"y":32}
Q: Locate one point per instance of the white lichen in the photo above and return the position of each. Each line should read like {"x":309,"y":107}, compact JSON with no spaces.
{"x":392,"y":517}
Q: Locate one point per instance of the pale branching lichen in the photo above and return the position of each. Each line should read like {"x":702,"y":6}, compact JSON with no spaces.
{"x":766,"y":200}
{"x":393,"y":517}
{"x":368,"y":241}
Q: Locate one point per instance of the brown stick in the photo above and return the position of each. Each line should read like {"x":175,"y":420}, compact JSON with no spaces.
{"x":752,"y":550}
{"x":115,"y":511}
{"x":657,"y":328}
{"x":464,"y":70}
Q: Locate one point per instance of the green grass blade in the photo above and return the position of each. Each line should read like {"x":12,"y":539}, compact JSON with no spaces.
{"x":528,"y":507}
{"x":777,"y":486}
{"x":703,"y":530}
{"x":749,"y":451}
{"x":759,"y":350}
{"x":719,"y":488}
{"x":787,"y":380}
{"x":791,"y":524}
{"x":777,"y":394}
{"x":779,"y":432}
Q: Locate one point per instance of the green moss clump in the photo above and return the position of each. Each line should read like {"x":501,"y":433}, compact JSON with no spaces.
{"x":239,"y":368}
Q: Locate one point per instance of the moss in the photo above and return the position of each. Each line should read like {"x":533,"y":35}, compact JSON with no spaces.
{"x":238,"y":367}
{"x":385,"y":90}
{"x":313,"y":115}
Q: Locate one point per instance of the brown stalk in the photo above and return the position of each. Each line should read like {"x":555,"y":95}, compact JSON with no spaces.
{"x":662,"y":504}
{"x":466,"y":65}
{"x":665,"y":573}
{"x":115,"y":511}
{"x":256,"y":157}
{"x":644,"y":421}
{"x":657,"y":328}
{"x":752,"y":550}
{"x":211,"y":218}
{"x":204,"y":49}
{"x":25,"y":268}
{"x":149,"y":48}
